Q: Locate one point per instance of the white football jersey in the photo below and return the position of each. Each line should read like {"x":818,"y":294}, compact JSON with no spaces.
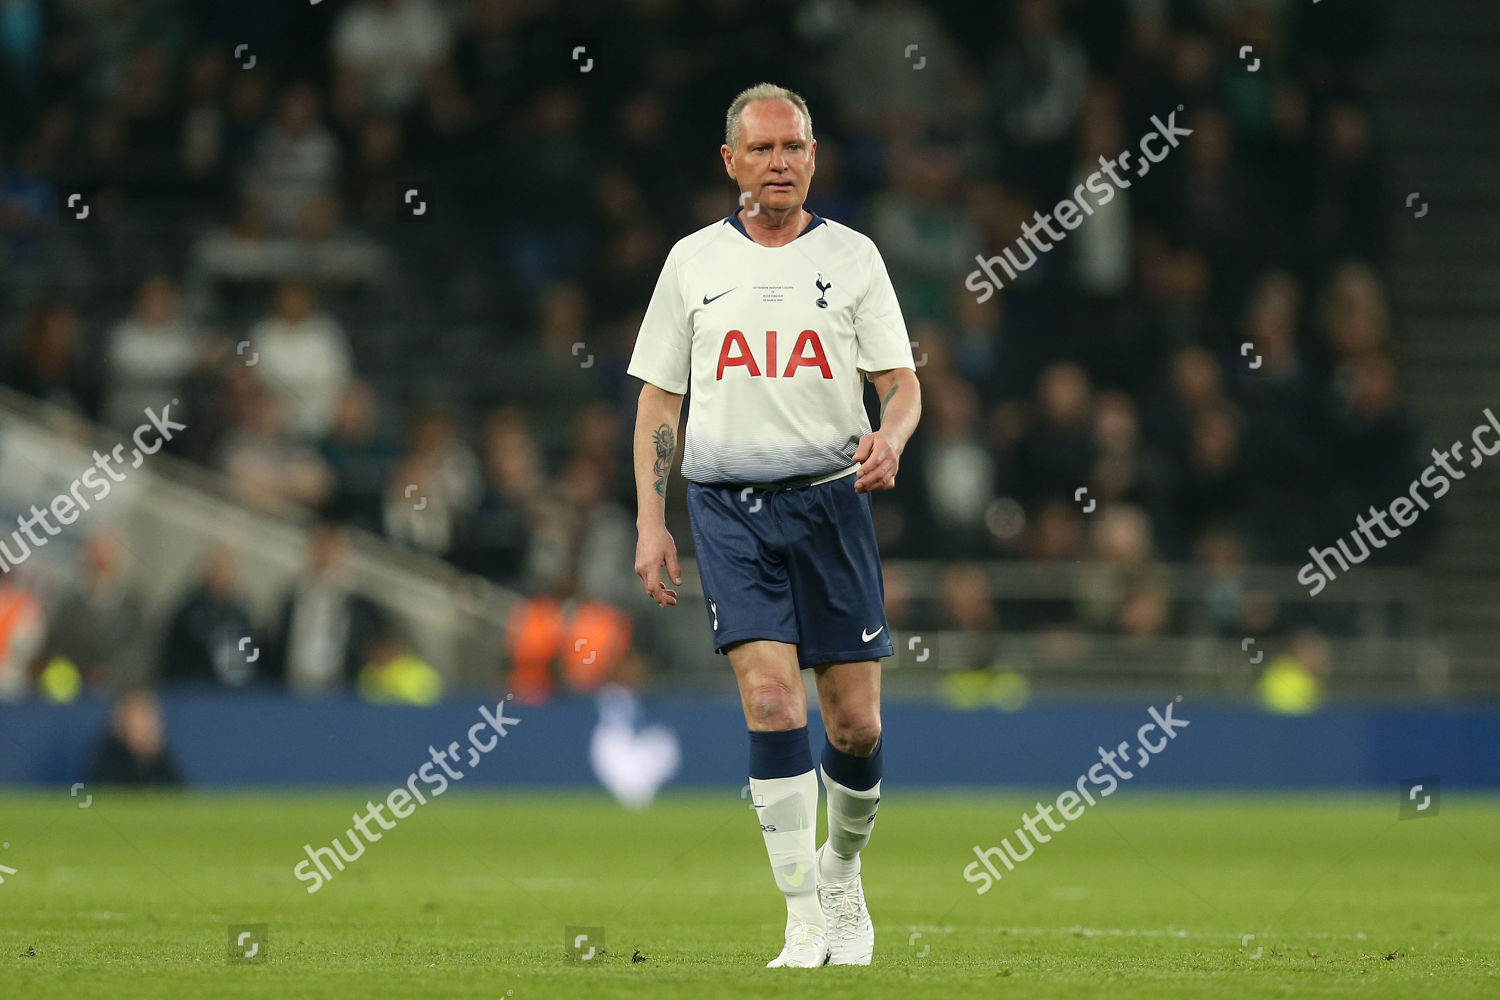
{"x":773,"y":343}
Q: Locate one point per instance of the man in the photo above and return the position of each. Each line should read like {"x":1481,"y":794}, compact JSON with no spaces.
{"x":777,"y":318}
{"x":97,"y":626}
{"x":134,"y":751}
{"x":326,"y":628}
{"x":210,"y":638}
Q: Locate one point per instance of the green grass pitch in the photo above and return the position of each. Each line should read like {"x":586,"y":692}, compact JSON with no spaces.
{"x":1143,"y":896}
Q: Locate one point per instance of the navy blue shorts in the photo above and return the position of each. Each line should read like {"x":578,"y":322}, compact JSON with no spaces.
{"x":795,"y":565}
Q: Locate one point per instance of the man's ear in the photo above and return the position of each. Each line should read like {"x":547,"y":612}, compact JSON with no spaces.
{"x":728,"y":155}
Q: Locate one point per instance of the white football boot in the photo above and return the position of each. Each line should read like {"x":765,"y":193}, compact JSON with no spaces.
{"x":851,"y":933}
{"x":806,"y":947}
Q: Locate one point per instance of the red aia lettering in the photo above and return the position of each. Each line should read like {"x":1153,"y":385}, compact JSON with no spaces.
{"x":735,"y":338}
{"x":807,"y":339}
{"x":806,"y":353}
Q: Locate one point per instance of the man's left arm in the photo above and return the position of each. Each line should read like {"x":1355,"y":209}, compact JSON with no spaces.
{"x":879,"y":452}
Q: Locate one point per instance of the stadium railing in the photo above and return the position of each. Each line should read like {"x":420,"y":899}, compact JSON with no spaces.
{"x":169,"y":515}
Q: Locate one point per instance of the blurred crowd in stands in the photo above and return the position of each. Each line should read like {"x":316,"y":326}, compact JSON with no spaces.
{"x":392,"y":254}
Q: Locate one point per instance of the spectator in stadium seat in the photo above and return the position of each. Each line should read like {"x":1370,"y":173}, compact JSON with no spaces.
{"x":384,"y":53}
{"x":98,"y":624}
{"x":231,"y":263}
{"x":1347,"y":185}
{"x":296,"y":160}
{"x":967,"y":617}
{"x":1176,"y":297}
{"x":927,"y":237}
{"x":1038,"y":84}
{"x":1216,"y":198}
{"x":210,"y":639}
{"x":1212,"y":487}
{"x":201,"y":147}
{"x":872,"y":80}
{"x":222,"y":401}
{"x":1353,"y":312}
{"x":1054,"y":534}
{"x":583,"y":542}
{"x":326,"y":630}
{"x":596,"y":435}
{"x":958,"y":471}
{"x":149,"y":120}
{"x":434,"y":487}
{"x":1378,"y":447}
{"x":1123,"y":589}
{"x":150,"y":353}
{"x":1102,"y":251}
{"x":266,"y":466}
{"x":247,"y":112}
{"x":48,"y":365}
{"x":28,"y":200}
{"x":1272,"y":316}
{"x":1227,"y":605}
{"x":987,"y":353}
{"x":360,"y":456}
{"x":379,"y":176}
{"x":562,"y":319}
{"x":1057,"y":453}
{"x":1195,"y":384}
{"x":548,"y":235}
{"x":23,"y":61}
{"x":898,"y":598}
{"x":305,"y":359}
{"x":335,"y":255}
{"x":498,"y":536}
{"x":1128,"y":470}
{"x":134,"y":751}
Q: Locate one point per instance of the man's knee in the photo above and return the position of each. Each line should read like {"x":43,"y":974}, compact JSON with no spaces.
{"x":772,"y":703}
{"x":856,"y":736}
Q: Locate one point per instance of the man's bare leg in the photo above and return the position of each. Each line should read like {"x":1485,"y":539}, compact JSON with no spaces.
{"x":784,"y":786}
{"x":849,"y":694}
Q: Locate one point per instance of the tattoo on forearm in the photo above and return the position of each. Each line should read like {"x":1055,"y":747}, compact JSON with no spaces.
{"x":887,"y":400}
{"x":666,"y":444}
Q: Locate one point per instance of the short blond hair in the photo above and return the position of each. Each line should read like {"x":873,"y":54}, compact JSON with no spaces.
{"x":761,"y":92}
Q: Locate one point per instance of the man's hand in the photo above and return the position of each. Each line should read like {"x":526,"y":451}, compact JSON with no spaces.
{"x":878,"y":459}
{"x":654,"y":548}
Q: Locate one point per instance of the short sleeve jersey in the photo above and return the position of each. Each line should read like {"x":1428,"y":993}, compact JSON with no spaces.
{"x":772,"y":344}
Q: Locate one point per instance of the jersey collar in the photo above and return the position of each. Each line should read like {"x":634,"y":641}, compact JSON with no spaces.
{"x":734,"y":220}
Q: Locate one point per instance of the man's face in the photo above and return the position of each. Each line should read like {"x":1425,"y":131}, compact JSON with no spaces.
{"x":775,"y":158}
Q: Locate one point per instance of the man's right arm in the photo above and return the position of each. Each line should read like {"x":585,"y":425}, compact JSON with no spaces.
{"x":658,"y":413}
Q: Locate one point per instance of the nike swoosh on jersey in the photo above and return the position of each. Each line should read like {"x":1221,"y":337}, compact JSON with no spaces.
{"x":707,"y":300}
{"x":867,"y":636}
